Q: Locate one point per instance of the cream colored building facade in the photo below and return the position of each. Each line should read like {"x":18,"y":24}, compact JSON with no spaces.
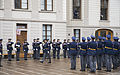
{"x":59,"y":16}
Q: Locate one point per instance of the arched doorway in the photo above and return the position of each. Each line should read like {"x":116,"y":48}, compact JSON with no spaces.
{"x":103,"y":33}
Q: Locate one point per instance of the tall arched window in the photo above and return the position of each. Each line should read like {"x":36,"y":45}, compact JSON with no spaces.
{"x":103,"y":33}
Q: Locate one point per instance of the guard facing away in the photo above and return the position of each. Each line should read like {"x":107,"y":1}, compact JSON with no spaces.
{"x":34,"y":45}
{"x":92,"y":54}
{"x":99,"y":53}
{"x":1,"y":52}
{"x":9,"y":49}
{"x":17,"y":46}
{"x":58,"y":48}
{"x":54,"y":48}
{"x":83,"y":53}
{"x":108,"y":53}
{"x":103,"y":55}
{"x":116,"y":52}
{"x":64,"y":45}
{"x":87,"y":58}
{"x":38,"y":48}
{"x":73,"y":53}
{"x":25,"y":49}
{"x":46,"y":52}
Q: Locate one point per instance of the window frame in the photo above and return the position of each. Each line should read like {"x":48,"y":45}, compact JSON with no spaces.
{"x":46,"y":25}
{"x":80,"y":13}
{"x":45,"y":6}
{"x":77,"y":33}
{"x":21,"y":5}
{"x":107,"y":9}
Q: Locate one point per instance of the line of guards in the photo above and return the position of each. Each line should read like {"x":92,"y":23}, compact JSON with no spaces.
{"x":105,"y":52}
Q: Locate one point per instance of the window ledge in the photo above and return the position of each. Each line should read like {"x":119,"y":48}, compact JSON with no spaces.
{"x":76,"y":19}
{"x":104,"y":21}
{"x":23,"y":10}
{"x":1,"y":9}
{"x":47,"y":12}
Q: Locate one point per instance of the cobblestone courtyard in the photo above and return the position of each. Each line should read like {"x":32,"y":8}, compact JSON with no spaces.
{"x":57,"y":67}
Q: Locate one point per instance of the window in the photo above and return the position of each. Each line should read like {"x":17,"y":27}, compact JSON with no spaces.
{"x":77,"y":34}
{"x":1,"y":4}
{"x":21,"y":4}
{"x":47,"y":32}
{"x":76,"y":9}
{"x":21,"y":26}
{"x":104,"y":10}
{"x":46,"y":5}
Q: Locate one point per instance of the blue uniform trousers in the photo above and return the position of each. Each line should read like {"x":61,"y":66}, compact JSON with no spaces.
{"x":38,"y":53}
{"x":103,"y":60}
{"x":25,"y":54}
{"x":46,"y":55}
{"x":115,"y":61}
{"x":0,"y":59}
{"x":68,"y":53}
{"x":73,"y":61}
{"x":99,"y":61}
{"x":17,"y":55}
{"x":64,"y":53}
{"x":34,"y":53}
{"x":58,"y":53}
{"x":92,"y":62}
{"x":83,"y":62}
{"x":108,"y":62}
{"x":9,"y":55}
{"x":54,"y":52}
{"x":87,"y":61}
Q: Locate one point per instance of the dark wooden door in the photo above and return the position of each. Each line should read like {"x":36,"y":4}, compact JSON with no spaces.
{"x":21,"y":38}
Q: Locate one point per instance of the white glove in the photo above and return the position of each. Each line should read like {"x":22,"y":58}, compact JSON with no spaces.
{"x":63,"y":49}
{"x":0,"y":53}
{"x":36,"y":49}
{"x":7,"y":50}
{"x":24,"y":50}
{"x":68,"y":49}
{"x":56,"y":48}
{"x":48,"y":52}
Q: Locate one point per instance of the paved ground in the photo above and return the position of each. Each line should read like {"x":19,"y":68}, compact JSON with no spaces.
{"x":57,"y":67}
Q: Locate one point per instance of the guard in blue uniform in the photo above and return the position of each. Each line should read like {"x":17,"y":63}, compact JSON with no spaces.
{"x":25,"y":49}
{"x":83,"y":53}
{"x":38,"y":48}
{"x":68,"y":48}
{"x":1,"y":52}
{"x":78,"y":55}
{"x":99,"y":53}
{"x":9,"y":49}
{"x":58,"y":48}
{"x":64,"y":45}
{"x":108,"y":53}
{"x":17,"y":46}
{"x":103,"y":56}
{"x":54,"y":48}
{"x":46,"y":52}
{"x":73,"y":53}
{"x":92,"y":54}
{"x":87,"y":58}
{"x":116,"y":52}
{"x":34,"y":44}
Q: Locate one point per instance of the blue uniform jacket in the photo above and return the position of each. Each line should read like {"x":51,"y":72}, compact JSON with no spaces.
{"x":68,"y":46}
{"x":34,"y":44}
{"x":109,"y":47}
{"x":99,"y":48}
{"x":9,"y":46}
{"x":25,"y":46}
{"x":45,"y":47}
{"x":116,"y":47}
{"x":1,"y":47}
{"x":83,"y":48}
{"x":73,"y":48}
{"x":64,"y":45}
{"x":92,"y":46}
{"x":38,"y":45}
{"x":17,"y":46}
{"x":58,"y":45}
{"x":54,"y":45}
